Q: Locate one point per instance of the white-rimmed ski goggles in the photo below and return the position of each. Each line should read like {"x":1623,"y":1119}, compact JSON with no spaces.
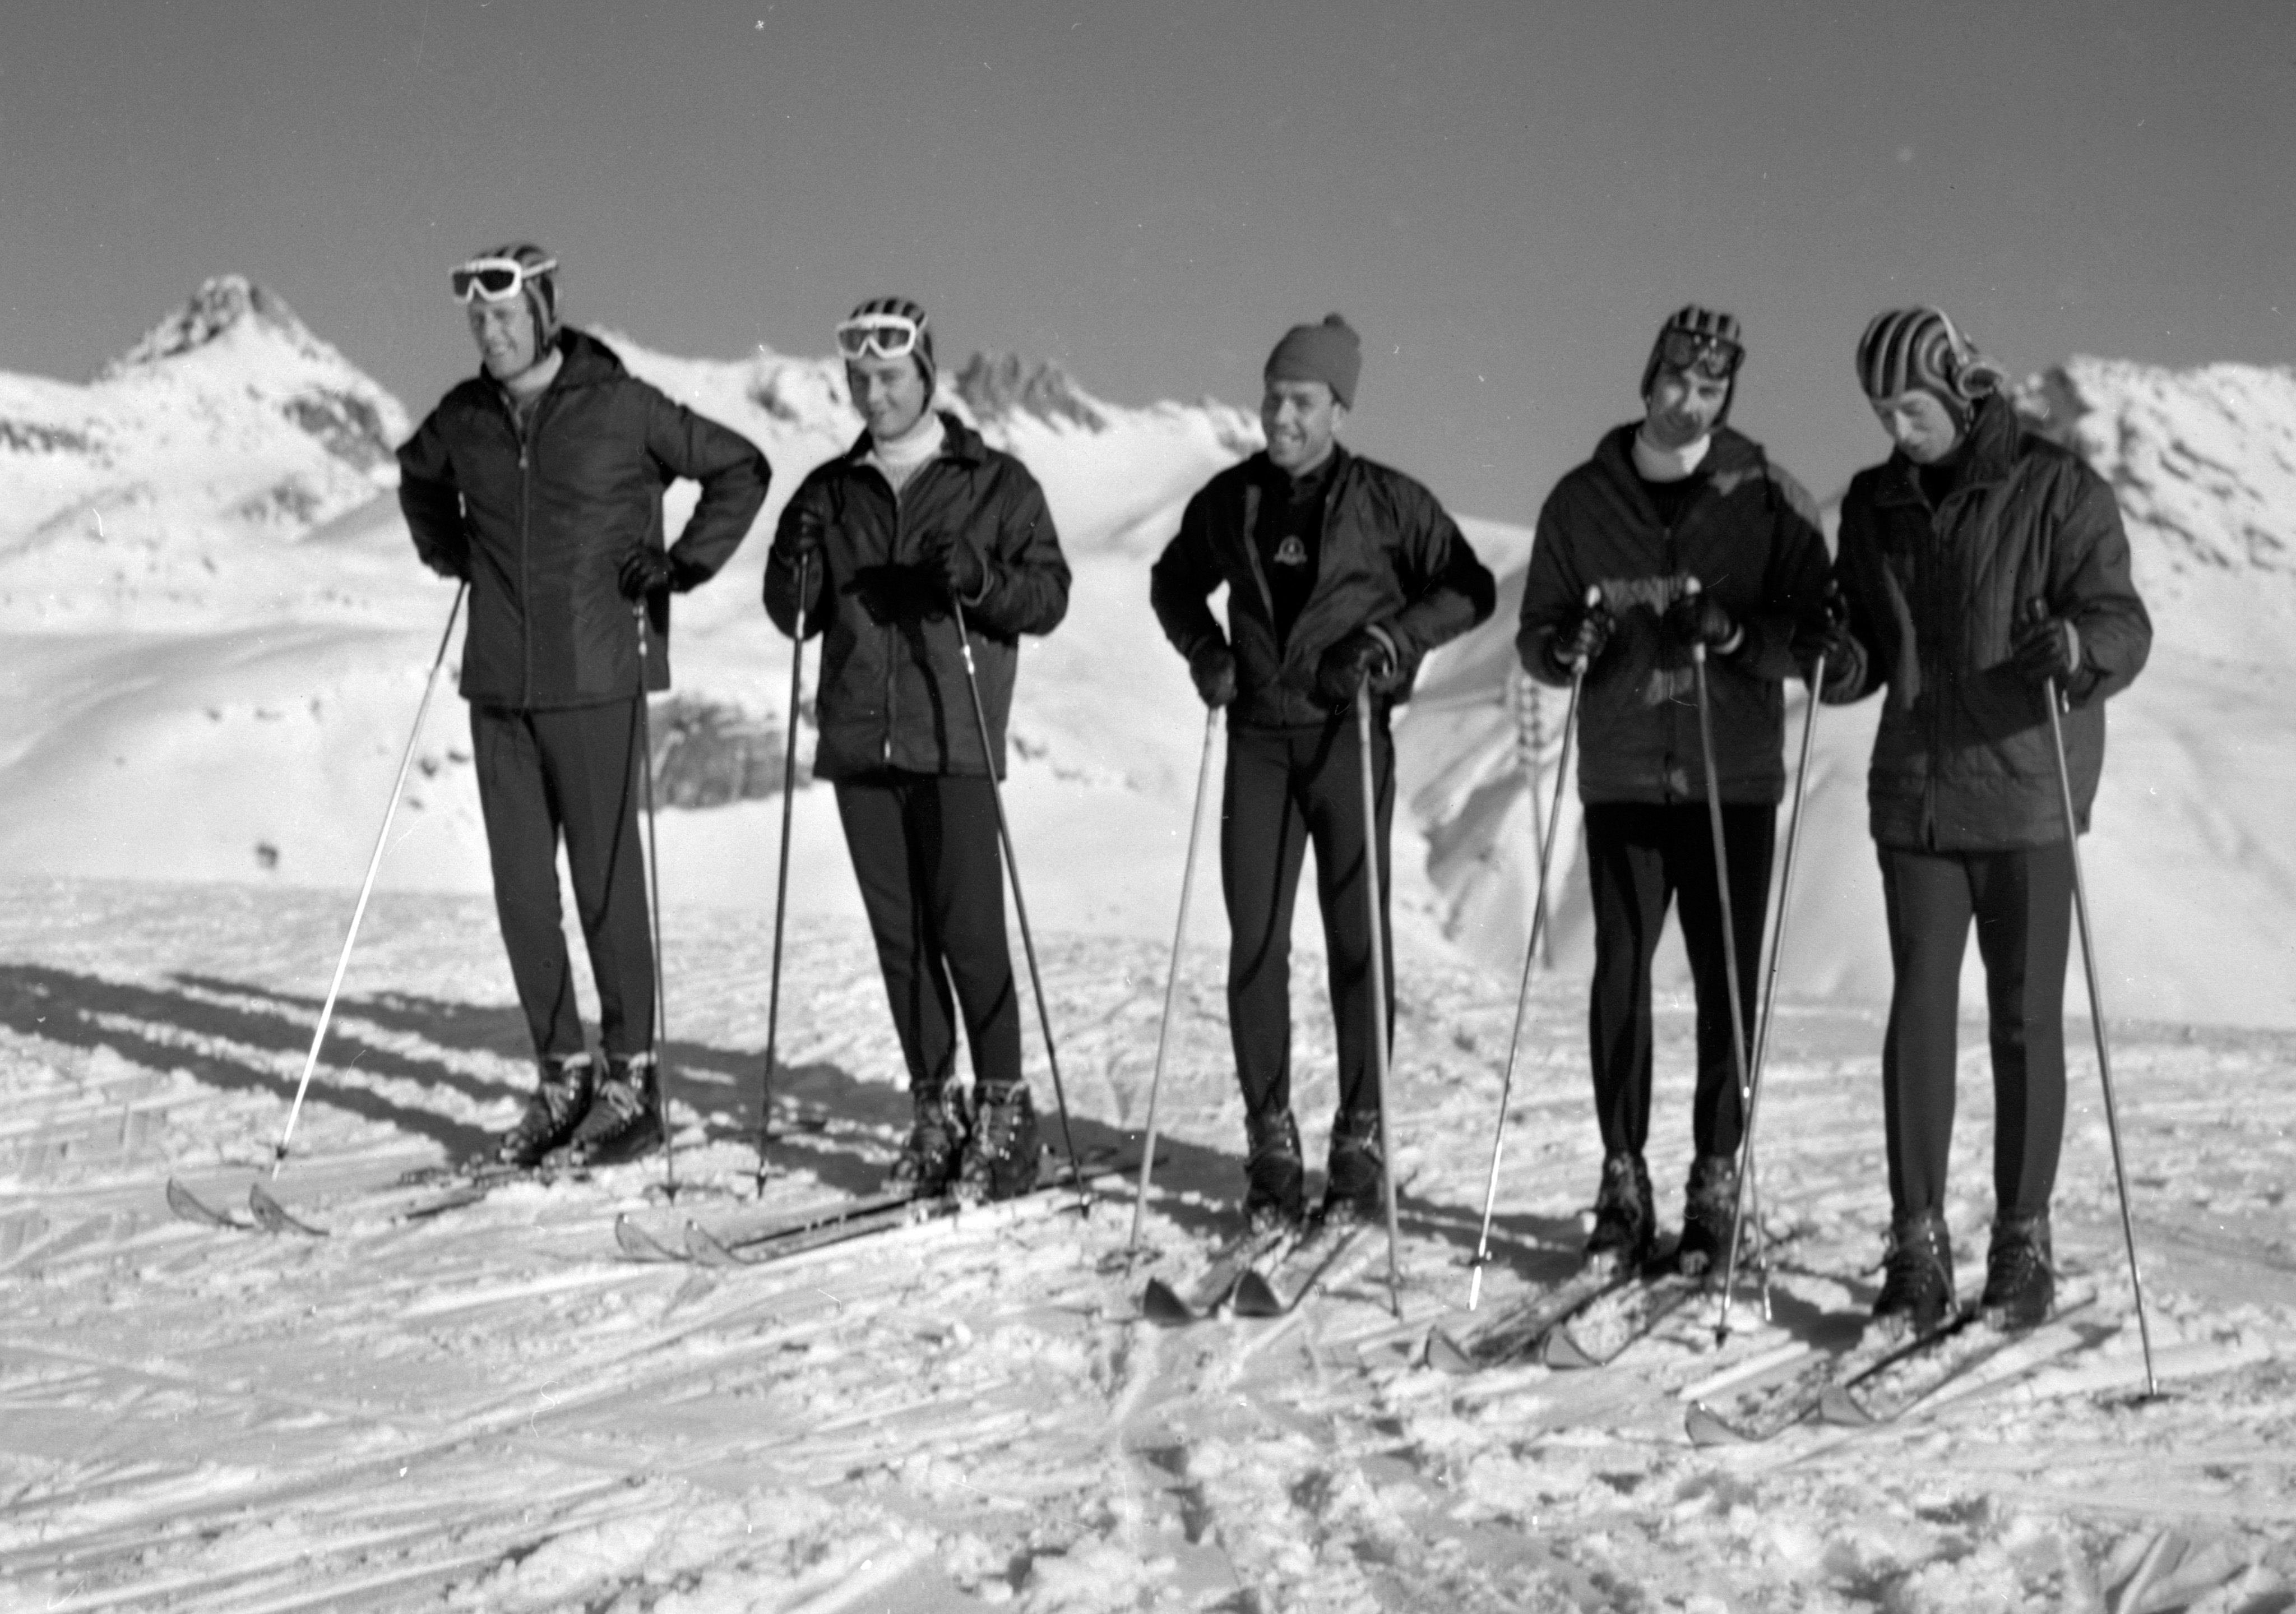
{"x":494,"y":280}
{"x":880,"y":336}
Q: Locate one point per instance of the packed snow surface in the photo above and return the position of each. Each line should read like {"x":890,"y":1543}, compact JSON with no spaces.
{"x":217,"y":638}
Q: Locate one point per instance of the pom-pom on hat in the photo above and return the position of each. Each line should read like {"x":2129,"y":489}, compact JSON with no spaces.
{"x":1708,"y":328}
{"x":1331,"y":353}
{"x":1906,"y":349}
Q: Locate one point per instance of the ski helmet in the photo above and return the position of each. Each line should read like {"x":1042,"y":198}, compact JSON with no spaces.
{"x":1913,"y":349}
{"x":1705,"y":339}
{"x":897,"y":312}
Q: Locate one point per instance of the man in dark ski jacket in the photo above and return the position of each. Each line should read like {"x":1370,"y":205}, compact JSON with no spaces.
{"x":1686,"y":534}
{"x":1338,"y":571}
{"x":918,"y":520}
{"x":539,"y":483}
{"x":1976,"y":564}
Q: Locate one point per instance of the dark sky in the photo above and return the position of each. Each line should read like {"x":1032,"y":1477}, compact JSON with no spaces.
{"x":1505,"y":198}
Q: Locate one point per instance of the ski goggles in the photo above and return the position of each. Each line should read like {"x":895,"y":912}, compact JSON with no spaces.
{"x":880,"y":336}
{"x":1711,"y":356}
{"x":494,"y":280}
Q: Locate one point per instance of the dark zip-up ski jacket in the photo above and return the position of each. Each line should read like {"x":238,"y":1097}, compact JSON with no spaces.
{"x":541,"y":527}
{"x":892,"y":689}
{"x":1964,"y":760}
{"x":1750,"y":535}
{"x":1390,"y":557}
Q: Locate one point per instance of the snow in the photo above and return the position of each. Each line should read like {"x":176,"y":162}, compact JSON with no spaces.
{"x":492,"y":1409}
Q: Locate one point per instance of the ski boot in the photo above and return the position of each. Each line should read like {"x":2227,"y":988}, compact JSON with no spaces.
{"x":928,"y":1162}
{"x":1001,"y":1151}
{"x":1273,"y":1195}
{"x":2020,"y":1278}
{"x":1709,"y":1214}
{"x":559,"y":1102}
{"x":1917,"y":1276}
{"x":625,"y":1117}
{"x":1354,"y":1181}
{"x":1626,"y":1227}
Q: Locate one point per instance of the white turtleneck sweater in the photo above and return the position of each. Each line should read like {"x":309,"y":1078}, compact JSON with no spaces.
{"x":902,"y":457}
{"x":1659,"y":464}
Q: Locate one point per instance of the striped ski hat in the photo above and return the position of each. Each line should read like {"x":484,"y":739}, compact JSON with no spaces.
{"x":540,"y":290}
{"x":902,"y":307}
{"x":1708,"y":326}
{"x":1908,"y":348}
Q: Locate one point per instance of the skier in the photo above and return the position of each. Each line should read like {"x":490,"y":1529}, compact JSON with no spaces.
{"x":1339,"y":570}
{"x":1978,"y":564}
{"x":538,"y":483}
{"x":1688,"y":535}
{"x":920,"y":517}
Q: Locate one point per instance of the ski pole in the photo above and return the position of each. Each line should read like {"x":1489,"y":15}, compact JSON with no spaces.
{"x":1377,"y":966}
{"x":1020,"y":904}
{"x":781,"y":877}
{"x":1547,"y":837}
{"x":1722,"y":886}
{"x":1172,"y":980}
{"x":2097,"y":1023}
{"x":1769,"y":1003}
{"x":367,"y":887}
{"x":653,"y":898}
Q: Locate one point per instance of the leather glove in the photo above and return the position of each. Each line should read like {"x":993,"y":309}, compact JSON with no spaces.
{"x":1365,"y":653}
{"x":1698,"y":618}
{"x":446,"y":567}
{"x":801,"y":536}
{"x":1213,"y":668}
{"x":646,"y":570}
{"x":2046,"y":647}
{"x":1825,"y":634}
{"x":1581,"y":638}
{"x":961,"y":566}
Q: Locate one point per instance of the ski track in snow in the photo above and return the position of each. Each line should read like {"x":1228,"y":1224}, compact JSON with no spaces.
{"x":492,"y":1410}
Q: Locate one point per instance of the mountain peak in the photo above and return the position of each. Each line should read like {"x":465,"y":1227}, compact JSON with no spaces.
{"x":998,"y":386}
{"x":222,"y":304}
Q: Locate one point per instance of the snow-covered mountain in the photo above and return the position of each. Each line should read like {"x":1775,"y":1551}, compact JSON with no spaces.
{"x":217,"y":635}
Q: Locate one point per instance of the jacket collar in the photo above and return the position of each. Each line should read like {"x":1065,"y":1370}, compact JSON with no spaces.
{"x":1993,"y":434}
{"x":961,"y":443}
{"x":1732,"y":454}
{"x":585,"y":361}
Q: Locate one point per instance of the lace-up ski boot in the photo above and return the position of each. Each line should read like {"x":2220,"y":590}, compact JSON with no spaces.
{"x":1626,"y":1225}
{"x":1917,"y":1276}
{"x":928,"y":1162}
{"x":560,"y":1100}
{"x":2020,"y":1275}
{"x":1710,"y":1212}
{"x":1001,"y":1153}
{"x":1275,"y":1194}
{"x":1354,"y":1184}
{"x":625,"y":1116}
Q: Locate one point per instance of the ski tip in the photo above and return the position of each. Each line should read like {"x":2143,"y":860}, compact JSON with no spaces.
{"x":639,"y":1245}
{"x":1252,"y":1298}
{"x":191,"y":1208}
{"x":1706,"y":1426}
{"x":1162,"y":1305}
{"x":706,"y":1249}
{"x":1560,"y":1350}
{"x":274,"y":1218}
{"x":1445,"y":1355}
{"x":1837,"y":1407}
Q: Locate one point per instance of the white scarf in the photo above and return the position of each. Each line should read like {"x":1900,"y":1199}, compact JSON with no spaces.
{"x":1659,"y":464}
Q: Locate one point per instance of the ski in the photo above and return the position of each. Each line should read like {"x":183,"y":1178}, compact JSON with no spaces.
{"x":1887,"y":1392}
{"x":273,"y":1217}
{"x":191,"y":1208}
{"x":1161,"y":1303}
{"x":1517,"y":1330}
{"x":1766,"y":1410}
{"x":266,"y":1214}
{"x":1325,"y":1256}
{"x":1597,"y":1333}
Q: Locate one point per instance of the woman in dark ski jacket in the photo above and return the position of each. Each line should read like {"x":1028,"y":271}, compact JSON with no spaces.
{"x":540,"y":482}
{"x":918,"y":517}
{"x":1978,"y":565}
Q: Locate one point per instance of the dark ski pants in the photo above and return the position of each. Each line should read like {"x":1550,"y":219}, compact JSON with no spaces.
{"x":925,"y":851}
{"x":1640,"y":857}
{"x":574,"y":773}
{"x":2021,"y":900}
{"x":1287,"y":788}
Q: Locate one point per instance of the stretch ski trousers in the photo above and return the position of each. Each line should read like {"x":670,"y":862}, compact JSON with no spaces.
{"x":571,"y":773}
{"x":2021,"y":900}
{"x":926,"y":853}
{"x":1640,"y":857}
{"x":1287,"y":788}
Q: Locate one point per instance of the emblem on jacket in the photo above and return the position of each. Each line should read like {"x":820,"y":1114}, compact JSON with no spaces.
{"x":1290,"y":552}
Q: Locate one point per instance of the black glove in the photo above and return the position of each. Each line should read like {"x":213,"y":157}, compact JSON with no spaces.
{"x":1213,"y":668}
{"x":961,"y":566}
{"x":1580,"y":637}
{"x":2046,"y":647}
{"x":646,"y":570}
{"x":446,"y":567}
{"x":801,"y":536}
{"x":1365,"y":653}
{"x":1700,"y":619}
{"x":1825,"y":634}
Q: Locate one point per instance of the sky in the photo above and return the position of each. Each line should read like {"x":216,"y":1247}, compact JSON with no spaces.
{"x":1505,"y":199}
